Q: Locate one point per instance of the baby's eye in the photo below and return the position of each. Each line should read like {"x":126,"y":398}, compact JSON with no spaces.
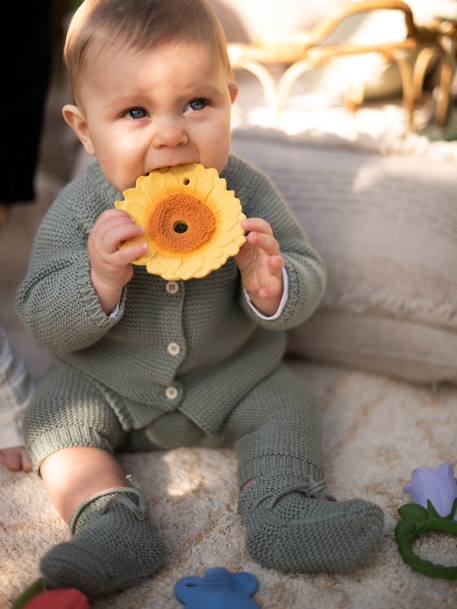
{"x":136,"y":113}
{"x":198,"y":104}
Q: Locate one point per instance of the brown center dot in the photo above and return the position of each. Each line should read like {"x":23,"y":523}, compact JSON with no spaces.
{"x":181,"y":223}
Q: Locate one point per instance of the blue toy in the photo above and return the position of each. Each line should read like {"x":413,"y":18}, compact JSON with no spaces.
{"x":218,"y":589}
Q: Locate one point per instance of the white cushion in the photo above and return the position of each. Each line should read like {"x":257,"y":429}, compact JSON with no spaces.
{"x":386,"y":229}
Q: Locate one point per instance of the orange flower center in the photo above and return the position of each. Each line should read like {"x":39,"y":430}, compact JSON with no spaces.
{"x":181,"y":223}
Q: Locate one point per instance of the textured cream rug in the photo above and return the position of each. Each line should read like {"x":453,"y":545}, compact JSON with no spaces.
{"x":375,"y":432}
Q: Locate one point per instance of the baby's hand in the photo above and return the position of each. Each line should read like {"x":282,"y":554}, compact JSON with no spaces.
{"x":260,"y":263}
{"x":15,"y":459}
{"x":111,"y":267}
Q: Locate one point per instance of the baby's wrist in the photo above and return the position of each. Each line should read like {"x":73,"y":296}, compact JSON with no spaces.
{"x":108,"y":293}
{"x":266,"y":306}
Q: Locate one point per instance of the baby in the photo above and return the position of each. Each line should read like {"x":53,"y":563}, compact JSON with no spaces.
{"x":148,"y":364}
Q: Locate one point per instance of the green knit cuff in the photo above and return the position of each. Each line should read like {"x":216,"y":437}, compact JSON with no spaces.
{"x":41,"y":446}
{"x":256,"y":468}
{"x":89,"y":303}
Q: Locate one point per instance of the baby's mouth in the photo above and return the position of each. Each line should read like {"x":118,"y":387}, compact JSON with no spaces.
{"x":169,"y":166}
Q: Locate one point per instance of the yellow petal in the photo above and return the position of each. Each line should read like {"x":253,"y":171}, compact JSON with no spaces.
{"x":184,"y":177}
{"x":191,"y":266}
{"x":170,"y":183}
{"x":203,"y":189}
{"x":149,"y":186}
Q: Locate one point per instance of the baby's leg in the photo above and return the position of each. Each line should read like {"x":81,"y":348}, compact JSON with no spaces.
{"x":87,"y":471}
{"x":291,"y":524}
{"x":71,"y":431}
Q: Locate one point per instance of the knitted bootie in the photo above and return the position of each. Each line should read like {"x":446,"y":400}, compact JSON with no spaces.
{"x":115,"y":546}
{"x":291,"y":526}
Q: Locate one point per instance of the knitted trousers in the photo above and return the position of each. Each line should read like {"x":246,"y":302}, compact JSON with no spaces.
{"x":274,"y":428}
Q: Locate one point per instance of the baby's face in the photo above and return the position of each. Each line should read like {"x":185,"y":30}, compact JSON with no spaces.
{"x":152,"y":109}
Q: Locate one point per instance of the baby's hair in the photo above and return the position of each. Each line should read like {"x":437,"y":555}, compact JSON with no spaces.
{"x":141,"y":25}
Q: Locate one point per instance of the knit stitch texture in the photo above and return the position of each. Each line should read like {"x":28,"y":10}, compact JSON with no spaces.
{"x":221,"y":339}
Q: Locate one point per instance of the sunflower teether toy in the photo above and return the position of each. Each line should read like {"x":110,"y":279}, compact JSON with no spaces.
{"x":192,"y":222}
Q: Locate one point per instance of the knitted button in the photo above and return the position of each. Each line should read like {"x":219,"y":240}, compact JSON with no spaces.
{"x":172,"y":287}
{"x":171,"y":392}
{"x":173,"y":349}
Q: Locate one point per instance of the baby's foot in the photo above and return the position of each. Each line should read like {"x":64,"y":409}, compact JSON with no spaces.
{"x":292,"y":527}
{"x":115,"y":546}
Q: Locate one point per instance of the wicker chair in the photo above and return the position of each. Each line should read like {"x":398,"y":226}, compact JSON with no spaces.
{"x":303,"y":53}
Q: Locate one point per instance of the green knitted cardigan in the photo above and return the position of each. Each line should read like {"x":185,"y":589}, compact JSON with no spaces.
{"x":225,"y":348}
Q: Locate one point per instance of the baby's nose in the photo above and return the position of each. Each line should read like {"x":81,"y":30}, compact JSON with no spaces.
{"x":169,"y":134}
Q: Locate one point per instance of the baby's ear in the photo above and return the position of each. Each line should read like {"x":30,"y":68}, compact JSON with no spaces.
{"x":77,"y":121}
{"x":233,"y":91}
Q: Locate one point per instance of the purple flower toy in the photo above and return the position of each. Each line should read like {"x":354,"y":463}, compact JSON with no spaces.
{"x":434,"y":509}
{"x":439,"y":487}
{"x":218,"y":589}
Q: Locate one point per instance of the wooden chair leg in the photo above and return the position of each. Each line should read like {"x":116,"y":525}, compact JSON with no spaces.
{"x":266,"y":80}
{"x":421,"y":67}
{"x":443,"y":92}
{"x":406,"y":75}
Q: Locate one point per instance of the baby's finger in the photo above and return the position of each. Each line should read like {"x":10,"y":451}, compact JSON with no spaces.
{"x":267,"y":242}
{"x":270,"y":279}
{"x":114,"y":221}
{"x":246,"y":256}
{"x":276,"y":263}
{"x":257,"y":224}
{"x":107,"y":226}
{"x":111,"y":240}
{"x":112,"y":213}
{"x":110,"y":218}
{"x":126,"y":255}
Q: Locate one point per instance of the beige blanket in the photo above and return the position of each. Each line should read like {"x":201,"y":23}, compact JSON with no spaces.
{"x":375,"y":432}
